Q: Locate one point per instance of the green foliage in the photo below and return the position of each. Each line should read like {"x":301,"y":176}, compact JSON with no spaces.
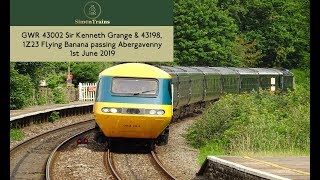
{"x":44,"y":96}
{"x":59,"y":95}
{"x":247,"y":52}
{"x":54,"y":116}
{"x":213,"y":148}
{"x":40,"y":70}
{"x":16,"y":135}
{"x":87,"y":71}
{"x":302,"y":79}
{"x":256,"y":122}
{"x":56,"y":79}
{"x":280,"y":28}
{"x":204,"y":35}
{"x":31,"y":69}
{"x":25,"y":77}
{"x":21,"y":89}
{"x":41,"y":100}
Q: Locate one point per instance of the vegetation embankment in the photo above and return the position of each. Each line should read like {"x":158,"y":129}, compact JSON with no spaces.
{"x":25,"y":89}
{"x":256,"y":123}
{"x":25,"y":77}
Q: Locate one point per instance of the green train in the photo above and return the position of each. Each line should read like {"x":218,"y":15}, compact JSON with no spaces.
{"x":193,"y":87}
{"x":136,"y":101}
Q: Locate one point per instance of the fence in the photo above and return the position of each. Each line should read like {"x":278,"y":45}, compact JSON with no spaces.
{"x":87,"y":91}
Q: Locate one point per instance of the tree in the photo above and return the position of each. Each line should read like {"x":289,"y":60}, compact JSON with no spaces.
{"x":87,"y":71}
{"x":247,"y":52}
{"x":21,"y":89}
{"x":281,"y":29}
{"x":204,"y":35}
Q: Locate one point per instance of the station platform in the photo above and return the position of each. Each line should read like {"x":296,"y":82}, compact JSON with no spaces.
{"x":45,"y":108}
{"x":263,"y":167}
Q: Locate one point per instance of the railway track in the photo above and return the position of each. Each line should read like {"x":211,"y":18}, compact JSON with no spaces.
{"x":28,"y":159}
{"x":154,"y":162}
{"x":54,"y":153}
{"x":161,"y":167}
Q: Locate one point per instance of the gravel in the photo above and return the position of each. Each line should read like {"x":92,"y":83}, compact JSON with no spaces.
{"x":36,"y":129}
{"x":177,"y":156}
{"x":136,"y":166}
{"x":81,"y":162}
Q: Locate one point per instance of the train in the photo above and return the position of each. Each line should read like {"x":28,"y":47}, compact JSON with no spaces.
{"x":137,"y":101}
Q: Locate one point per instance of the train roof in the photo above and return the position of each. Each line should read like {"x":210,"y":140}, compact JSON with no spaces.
{"x":208,"y":70}
{"x":267,"y":71}
{"x":183,"y":69}
{"x":170,"y":69}
{"x":286,"y":72}
{"x":145,"y":70}
{"x":225,"y":70}
{"x":189,"y":70}
{"x":135,"y":70}
{"x":245,"y":71}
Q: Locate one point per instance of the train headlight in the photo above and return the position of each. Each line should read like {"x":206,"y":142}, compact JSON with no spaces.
{"x":160,"y":112}
{"x":105,"y":110}
{"x":156,"y":112}
{"x":152,"y":112}
{"x":113,"y":110}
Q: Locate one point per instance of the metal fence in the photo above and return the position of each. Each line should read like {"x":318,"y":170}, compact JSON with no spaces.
{"x":87,"y":91}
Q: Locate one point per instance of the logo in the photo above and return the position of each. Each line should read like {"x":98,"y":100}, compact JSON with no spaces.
{"x":92,"y":9}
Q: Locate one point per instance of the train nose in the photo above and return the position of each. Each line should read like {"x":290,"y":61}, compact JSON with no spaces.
{"x":133,"y":125}
{"x":138,"y":126}
{"x":133,"y":111}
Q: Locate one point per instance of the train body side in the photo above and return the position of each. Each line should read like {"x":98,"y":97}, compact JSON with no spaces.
{"x":198,"y":85}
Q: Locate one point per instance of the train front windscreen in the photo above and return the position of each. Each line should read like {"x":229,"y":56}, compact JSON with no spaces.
{"x":134,"y":86}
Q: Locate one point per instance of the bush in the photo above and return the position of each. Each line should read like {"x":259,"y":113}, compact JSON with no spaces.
{"x":54,"y":116}
{"x":21,"y":89}
{"x":16,"y":134}
{"x":54,"y":80}
{"x":44,"y":96}
{"x":261,"y":122}
{"x":59,"y":95}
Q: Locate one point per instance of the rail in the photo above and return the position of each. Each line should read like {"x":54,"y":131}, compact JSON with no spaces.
{"x":51,"y":158}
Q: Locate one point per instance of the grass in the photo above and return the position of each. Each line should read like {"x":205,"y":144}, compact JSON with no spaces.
{"x":256,"y":123}
{"x":16,"y":135}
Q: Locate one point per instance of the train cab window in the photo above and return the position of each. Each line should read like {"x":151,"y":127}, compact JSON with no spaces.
{"x":134,"y":86}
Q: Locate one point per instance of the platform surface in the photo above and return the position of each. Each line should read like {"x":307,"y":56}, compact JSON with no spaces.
{"x":291,"y":167}
{"x":33,"y":109}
